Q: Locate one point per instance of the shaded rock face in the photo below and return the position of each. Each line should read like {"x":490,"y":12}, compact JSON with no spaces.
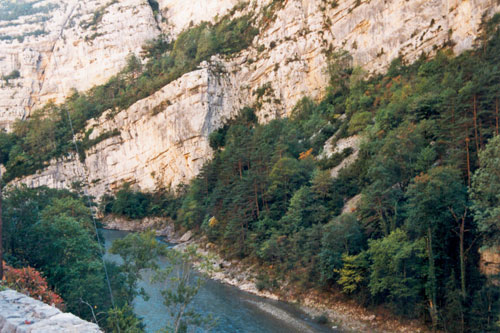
{"x":164,"y":138}
{"x":20,"y":313}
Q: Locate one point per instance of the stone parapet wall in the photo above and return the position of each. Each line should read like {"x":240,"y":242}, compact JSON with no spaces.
{"x":21,"y":313}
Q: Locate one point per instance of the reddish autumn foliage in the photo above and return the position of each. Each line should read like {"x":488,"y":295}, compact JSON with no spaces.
{"x":29,"y":281}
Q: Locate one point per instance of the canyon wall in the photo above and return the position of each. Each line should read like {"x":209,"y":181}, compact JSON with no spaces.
{"x":74,"y":45}
{"x":163,"y":139}
{"x":71,"y":44}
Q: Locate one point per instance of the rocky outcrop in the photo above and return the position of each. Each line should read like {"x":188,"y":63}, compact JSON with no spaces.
{"x":20,"y":313}
{"x":164,"y":138}
{"x":334,"y":145}
{"x":163,"y":227}
{"x":352,"y":204}
{"x":79,"y":44}
{"x":291,"y":53}
{"x":490,"y":264}
{"x":74,"y":44}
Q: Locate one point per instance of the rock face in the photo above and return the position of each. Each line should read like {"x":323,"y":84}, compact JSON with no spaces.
{"x":490,"y":264}
{"x":161,"y":226}
{"x":179,"y":15}
{"x":352,"y":142}
{"x":164,"y":138}
{"x":294,"y":47}
{"x":71,"y":45}
{"x":20,"y":313}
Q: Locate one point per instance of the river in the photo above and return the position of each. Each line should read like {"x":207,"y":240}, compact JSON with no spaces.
{"x":234,"y":310}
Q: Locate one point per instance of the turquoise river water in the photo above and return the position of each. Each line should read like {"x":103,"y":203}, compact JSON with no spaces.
{"x":234,"y":310}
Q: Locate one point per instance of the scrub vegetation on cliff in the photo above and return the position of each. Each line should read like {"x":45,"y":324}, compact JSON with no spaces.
{"x":13,"y":10}
{"x":47,"y":133}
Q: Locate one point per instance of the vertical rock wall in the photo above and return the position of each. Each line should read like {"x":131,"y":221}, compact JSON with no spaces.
{"x":74,"y":45}
{"x":164,"y":138}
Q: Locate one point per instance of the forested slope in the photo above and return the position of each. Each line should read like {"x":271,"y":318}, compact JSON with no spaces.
{"x":427,"y":171}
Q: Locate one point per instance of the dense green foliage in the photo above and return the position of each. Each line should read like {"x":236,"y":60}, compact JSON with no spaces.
{"x":47,"y":133}
{"x":12,"y":76}
{"x":137,"y":205}
{"x":52,"y":231}
{"x":485,"y":192}
{"x":139,"y":251}
{"x":412,"y":244}
{"x":123,"y":320}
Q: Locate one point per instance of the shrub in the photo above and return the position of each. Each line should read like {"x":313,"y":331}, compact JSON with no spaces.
{"x":359,"y":121}
{"x":265,"y":283}
{"x":130,"y":203}
{"x":28,"y":281}
{"x":12,"y":76}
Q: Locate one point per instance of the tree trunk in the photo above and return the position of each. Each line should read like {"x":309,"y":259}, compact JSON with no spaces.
{"x":468,"y":160}
{"x":383,"y":222}
{"x":496,"y":115}
{"x":476,"y":136}
{"x":264,"y":200}
{"x":481,"y":139}
{"x":256,"y":198}
{"x":461,"y":235}
{"x":432,"y":277}
{"x":178,"y":319}
{"x":462,"y":259}
{"x":462,"y":273}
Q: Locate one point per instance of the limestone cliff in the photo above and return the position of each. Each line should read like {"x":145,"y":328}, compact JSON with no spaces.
{"x":66,"y":45}
{"x":164,"y":138}
{"x":74,"y":45}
